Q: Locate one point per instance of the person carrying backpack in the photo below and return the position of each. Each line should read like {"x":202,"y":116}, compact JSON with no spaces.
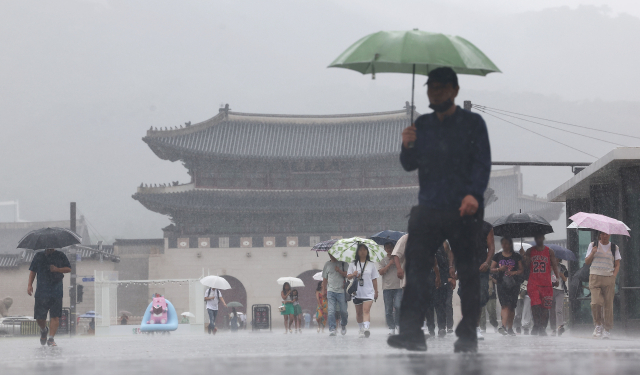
{"x":212,"y":297}
{"x":604,"y":264}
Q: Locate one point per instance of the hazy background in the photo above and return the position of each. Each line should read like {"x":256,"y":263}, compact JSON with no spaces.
{"x":81,"y":82}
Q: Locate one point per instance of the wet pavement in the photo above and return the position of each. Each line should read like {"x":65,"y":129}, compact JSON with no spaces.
{"x":311,"y":353}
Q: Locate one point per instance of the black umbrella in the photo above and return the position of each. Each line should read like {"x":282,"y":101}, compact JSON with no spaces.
{"x":521,"y":225}
{"x":387,"y":236}
{"x":48,"y":238}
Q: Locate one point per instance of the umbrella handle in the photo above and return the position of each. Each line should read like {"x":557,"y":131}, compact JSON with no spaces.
{"x":413,"y":89}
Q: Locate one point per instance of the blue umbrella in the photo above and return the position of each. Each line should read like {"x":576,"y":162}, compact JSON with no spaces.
{"x":561,"y":252}
{"x":387,"y":236}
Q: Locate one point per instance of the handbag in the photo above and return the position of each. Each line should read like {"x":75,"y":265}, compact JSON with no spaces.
{"x":347,"y":296}
{"x":282,"y":308}
{"x":353,"y":283}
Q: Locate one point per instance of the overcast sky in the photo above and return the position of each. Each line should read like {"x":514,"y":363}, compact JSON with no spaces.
{"x":83,"y":80}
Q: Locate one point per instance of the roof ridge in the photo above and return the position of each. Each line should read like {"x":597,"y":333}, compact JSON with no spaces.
{"x":366,"y":114}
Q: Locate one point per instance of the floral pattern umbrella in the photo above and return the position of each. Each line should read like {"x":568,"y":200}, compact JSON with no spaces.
{"x":345,"y":249}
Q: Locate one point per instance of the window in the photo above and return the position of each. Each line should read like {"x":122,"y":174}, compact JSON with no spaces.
{"x":223,"y":242}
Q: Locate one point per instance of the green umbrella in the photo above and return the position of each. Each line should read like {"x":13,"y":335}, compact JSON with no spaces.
{"x":345,"y":249}
{"x":415,"y":52}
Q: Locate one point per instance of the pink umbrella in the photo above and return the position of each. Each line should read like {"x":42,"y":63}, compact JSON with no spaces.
{"x":600,"y":223}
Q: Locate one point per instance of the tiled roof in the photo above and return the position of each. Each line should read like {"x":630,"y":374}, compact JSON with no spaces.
{"x":243,"y":200}
{"x":284,"y":136}
{"x":26,"y":256}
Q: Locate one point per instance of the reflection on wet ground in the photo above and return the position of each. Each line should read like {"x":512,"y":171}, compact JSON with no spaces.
{"x":311,"y":353}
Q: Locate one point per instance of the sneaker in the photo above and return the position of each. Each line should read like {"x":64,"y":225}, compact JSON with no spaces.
{"x":367,"y":333}
{"x":495,"y":329}
{"x":392,"y":331}
{"x":442,"y":333}
{"x":502,"y":330}
{"x":478,"y":334}
{"x":43,"y":335}
{"x":318,"y":329}
{"x":518,"y":330}
{"x":432,"y":334}
{"x":597,"y":332}
{"x":526,"y":331}
{"x":449,"y":331}
{"x":343,"y":331}
{"x":560,"y":330}
{"x":510,"y":332}
{"x":361,"y":335}
{"x":465,"y":346}
{"x":401,"y":342}
{"x":332,"y":333}
{"x":51,"y":342}
{"x":605,"y":334}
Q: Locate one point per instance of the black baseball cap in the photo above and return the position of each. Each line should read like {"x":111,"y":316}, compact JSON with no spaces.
{"x":443,"y":75}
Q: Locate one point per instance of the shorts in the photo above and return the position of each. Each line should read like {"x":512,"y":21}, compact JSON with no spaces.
{"x":540,"y":295}
{"x":50,"y":305}
{"x":508,"y":296}
{"x":360,"y":301}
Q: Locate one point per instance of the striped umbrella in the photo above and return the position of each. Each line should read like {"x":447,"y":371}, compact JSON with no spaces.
{"x":323,"y":246}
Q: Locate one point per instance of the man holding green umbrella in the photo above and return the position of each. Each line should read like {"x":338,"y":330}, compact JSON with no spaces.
{"x":450,"y":149}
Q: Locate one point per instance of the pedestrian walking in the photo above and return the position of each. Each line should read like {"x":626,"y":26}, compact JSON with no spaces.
{"x":367,"y":278}
{"x":522,"y":321}
{"x":213,"y":297}
{"x":490,"y":308}
{"x":450,"y":149}
{"x":508,"y":268}
{"x":124,"y":319}
{"x":334,"y":276}
{"x":556,"y":316}
{"x":438,"y":283}
{"x":391,"y":289}
{"x":321,"y":309}
{"x":233,"y":320}
{"x":604,"y":258}
{"x":307,"y":320}
{"x":540,"y":260}
{"x":297,"y":312}
{"x":287,"y":304}
{"x":49,"y":266}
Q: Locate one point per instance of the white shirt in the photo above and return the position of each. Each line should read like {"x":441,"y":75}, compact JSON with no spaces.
{"x":398,"y":251}
{"x":369,"y":274}
{"x":212,"y":304}
{"x":605,"y":249}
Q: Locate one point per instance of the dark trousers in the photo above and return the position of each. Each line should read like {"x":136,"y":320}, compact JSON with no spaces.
{"x":437,"y":304}
{"x":428,"y":229}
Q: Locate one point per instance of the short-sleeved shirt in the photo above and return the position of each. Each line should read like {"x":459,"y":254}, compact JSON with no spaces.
{"x":390,"y":279}
{"x":367,"y":272}
{"x":335,"y":281}
{"x":511,"y":262}
{"x":212,"y":304}
{"x":49,"y":284}
{"x":398,"y":251}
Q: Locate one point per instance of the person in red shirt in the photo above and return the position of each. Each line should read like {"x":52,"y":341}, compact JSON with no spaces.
{"x":540,"y":259}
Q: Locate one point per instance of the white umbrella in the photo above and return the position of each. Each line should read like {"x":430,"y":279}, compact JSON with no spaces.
{"x":318,"y":276}
{"x":215,"y":282}
{"x":293,"y":281}
{"x":190,"y":315}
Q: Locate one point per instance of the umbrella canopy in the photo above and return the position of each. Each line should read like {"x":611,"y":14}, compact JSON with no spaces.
{"x":48,"y":238}
{"x":318,"y":276}
{"x":125,"y":312}
{"x":576,"y":226}
{"x":294,"y":282}
{"x":414,"y":51}
{"x":563,"y":253}
{"x":387,"y":236}
{"x":188,"y":314}
{"x":600,"y":223}
{"x":521,"y":225}
{"x":345,"y":249}
{"x":323,"y":246}
{"x":215,"y":282}
{"x":234,"y":304}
